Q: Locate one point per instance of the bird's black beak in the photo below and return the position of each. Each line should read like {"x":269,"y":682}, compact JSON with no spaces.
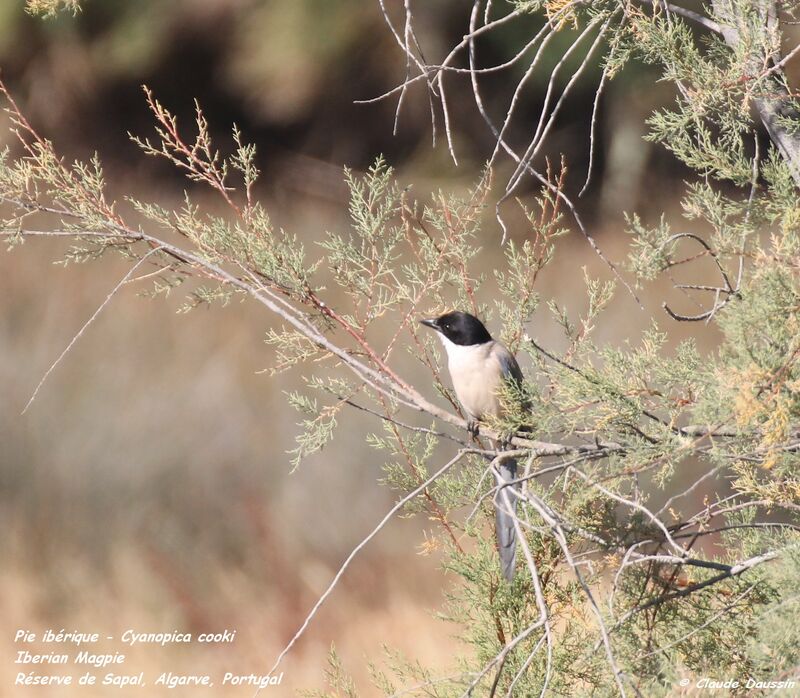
{"x":429,"y":323}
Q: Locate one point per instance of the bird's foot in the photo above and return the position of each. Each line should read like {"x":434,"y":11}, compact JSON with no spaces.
{"x":504,"y":439}
{"x":473,"y":427}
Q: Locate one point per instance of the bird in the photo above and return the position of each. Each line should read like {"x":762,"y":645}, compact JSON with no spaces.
{"x":479,"y":366}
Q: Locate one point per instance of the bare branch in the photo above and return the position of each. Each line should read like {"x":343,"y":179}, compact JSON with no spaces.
{"x":85,"y":325}
{"x":397,"y":507}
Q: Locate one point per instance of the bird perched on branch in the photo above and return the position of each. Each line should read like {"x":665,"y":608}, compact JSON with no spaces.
{"x":479,"y":366}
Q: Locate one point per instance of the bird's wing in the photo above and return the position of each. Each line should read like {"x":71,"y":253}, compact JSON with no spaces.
{"x":510,"y":368}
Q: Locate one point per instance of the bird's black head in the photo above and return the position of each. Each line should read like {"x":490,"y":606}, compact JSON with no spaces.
{"x":460,"y":328}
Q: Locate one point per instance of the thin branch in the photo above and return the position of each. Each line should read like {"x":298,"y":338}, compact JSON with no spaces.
{"x":397,"y":507}
{"x":734,"y":571}
{"x":702,"y":20}
{"x":724,"y":611}
{"x":86,"y":325}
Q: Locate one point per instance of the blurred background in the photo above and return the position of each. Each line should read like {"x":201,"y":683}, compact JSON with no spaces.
{"x":148,"y":486}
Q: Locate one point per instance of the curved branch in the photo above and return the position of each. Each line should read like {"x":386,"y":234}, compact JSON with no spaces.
{"x":774,"y":105}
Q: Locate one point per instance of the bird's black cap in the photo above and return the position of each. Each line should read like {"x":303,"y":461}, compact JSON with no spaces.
{"x":460,"y":328}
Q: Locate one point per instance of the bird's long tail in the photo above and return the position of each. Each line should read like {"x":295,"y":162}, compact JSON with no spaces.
{"x":505,"y":503}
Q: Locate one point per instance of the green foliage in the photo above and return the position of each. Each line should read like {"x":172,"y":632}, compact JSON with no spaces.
{"x":50,"y":8}
{"x":342,"y":686}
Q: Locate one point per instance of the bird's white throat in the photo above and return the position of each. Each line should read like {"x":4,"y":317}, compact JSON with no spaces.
{"x":459,"y":352}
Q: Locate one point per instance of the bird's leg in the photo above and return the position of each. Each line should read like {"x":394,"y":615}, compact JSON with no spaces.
{"x":504,"y":442}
